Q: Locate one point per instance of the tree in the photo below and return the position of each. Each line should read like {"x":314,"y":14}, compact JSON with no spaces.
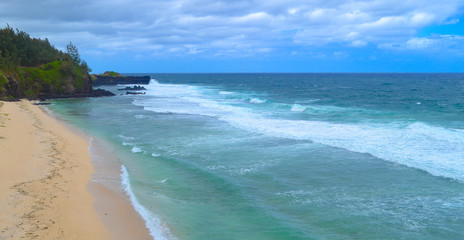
{"x":85,"y":66}
{"x":72,"y":51}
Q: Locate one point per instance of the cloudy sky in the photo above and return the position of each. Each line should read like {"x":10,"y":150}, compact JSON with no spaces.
{"x":252,"y":35}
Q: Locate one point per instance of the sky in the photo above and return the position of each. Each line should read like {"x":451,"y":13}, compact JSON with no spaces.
{"x":158,"y":36}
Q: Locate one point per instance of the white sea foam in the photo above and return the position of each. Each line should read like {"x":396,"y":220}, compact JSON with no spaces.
{"x":257,"y":100}
{"x":126,"y":138}
{"x":157,"y":229}
{"x":140,"y":116}
{"x":307,"y":101}
{"x":321,"y":110}
{"x":169,"y":90}
{"x":136,"y":150}
{"x":434,"y":149}
{"x":298,"y":108}
{"x":190,"y":104}
{"x":215,"y":167}
{"x":91,"y":142}
{"x":225,"y":93}
{"x":324,"y":109}
{"x":242,"y":171}
{"x":155,"y":155}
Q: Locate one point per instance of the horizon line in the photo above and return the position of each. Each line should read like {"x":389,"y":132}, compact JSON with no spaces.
{"x":288,"y":73}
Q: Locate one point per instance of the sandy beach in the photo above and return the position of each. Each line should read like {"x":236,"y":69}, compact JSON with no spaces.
{"x":45,"y":169}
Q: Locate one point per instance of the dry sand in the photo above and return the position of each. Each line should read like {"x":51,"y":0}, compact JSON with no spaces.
{"x":44,"y":171}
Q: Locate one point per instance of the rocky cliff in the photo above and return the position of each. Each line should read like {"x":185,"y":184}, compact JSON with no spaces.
{"x":58,"y":79}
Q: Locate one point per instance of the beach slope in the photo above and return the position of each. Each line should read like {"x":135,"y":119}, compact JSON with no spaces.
{"x":44,"y":171}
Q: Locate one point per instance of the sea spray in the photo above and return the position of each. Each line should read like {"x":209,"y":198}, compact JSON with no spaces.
{"x":298,"y":108}
{"x":135,"y":149}
{"x":257,"y":100}
{"x":157,"y":229}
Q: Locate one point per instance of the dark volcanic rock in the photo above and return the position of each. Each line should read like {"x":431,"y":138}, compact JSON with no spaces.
{"x":135,"y":93}
{"x":42,"y":103}
{"x":108,"y":80}
{"x":93,"y":93}
{"x":101,"y":93}
{"x":134,"y":88}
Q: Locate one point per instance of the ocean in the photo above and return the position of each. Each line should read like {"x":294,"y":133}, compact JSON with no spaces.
{"x":288,"y":156}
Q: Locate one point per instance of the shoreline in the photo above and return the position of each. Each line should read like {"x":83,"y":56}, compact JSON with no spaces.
{"x":52,"y":187}
{"x":111,"y":202}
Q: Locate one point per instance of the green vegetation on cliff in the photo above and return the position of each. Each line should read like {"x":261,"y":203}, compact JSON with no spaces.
{"x":32,"y":68}
{"x":108,"y":74}
{"x":112,"y":74}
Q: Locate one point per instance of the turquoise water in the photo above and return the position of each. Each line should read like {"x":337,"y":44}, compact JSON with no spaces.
{"x":289,"y":156}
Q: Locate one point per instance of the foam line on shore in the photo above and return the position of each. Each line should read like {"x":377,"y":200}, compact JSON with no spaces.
{"x":157,"y":230}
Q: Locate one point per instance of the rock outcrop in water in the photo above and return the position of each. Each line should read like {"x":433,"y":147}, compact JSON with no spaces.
{"x":114,"y":78}
{"x":135,"y":93}
{"x":134,"y":88}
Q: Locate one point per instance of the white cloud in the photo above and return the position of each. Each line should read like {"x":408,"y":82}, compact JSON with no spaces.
{"x":252,"y":18}
{"x":293,"y":11}
{"x":358,"y":43}
{"x":421,"y":19}
{"x":384,"y":22}
{"x":319,"y":14}
{"x":437,"y":43}
{"x":419,"y":43}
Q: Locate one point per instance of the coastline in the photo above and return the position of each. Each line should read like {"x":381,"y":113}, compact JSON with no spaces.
{"x":111,"y":202}
{"x":49,"y":187}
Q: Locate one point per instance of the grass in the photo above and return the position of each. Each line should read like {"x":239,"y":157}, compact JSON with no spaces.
{"x":3,"y":79}
{"x":53,"y":77}
{"x":111,"y":74}
{"x":48,"y":74}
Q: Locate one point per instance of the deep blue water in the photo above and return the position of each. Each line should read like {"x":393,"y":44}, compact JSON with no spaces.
{"x":289,"y":156}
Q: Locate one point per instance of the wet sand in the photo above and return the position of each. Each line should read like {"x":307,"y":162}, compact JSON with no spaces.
{"x":111,"y":201}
